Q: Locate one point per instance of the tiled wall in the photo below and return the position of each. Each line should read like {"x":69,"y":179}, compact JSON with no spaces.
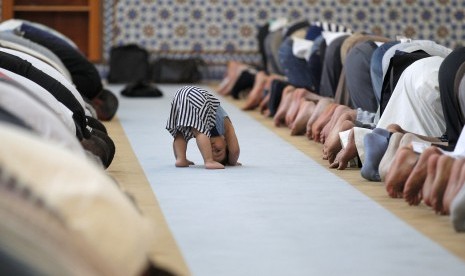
{"x":219,"y":30}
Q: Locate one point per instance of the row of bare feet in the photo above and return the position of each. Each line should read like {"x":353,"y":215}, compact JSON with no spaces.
{"x":302,"y":111}
{"x":432,"y":177}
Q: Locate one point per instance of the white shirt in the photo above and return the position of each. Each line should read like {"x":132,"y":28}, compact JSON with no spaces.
{"x":415,"y":104}
{"x":26,"y":106}
{"x":60,"y":110}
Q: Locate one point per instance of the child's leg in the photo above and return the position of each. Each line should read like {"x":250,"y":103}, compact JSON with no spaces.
{"x":180,"y":148}
{"x":203,"y":142}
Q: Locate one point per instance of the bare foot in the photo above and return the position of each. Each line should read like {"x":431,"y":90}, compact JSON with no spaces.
{"x":415,"y":181}
{"x":457,"y":206}
{"x":310,"y":96}
{"x":319,"y":109}
{"x":297,"y":97}
{"x":266,"y":113}
{"x":325,"y":132}
{"x":213,"y":165}
{"x":255,"y":95}
{"x":333,"y":144}
{"x":263,"y":107}
{"x":340,"y":111}
{"x":234,"y":70}
{"x":388,"y":156}
{"x":415,"y":137}
{"x":183,"y":163}
{"x":305,"y":111}
{"x":408,"y":138}
{"x":444,"y":168}
{"x":262,"y":83}
{"x":456,"y":180}
{"x":283,"y":105}
{"x":402,"y":165}
{"x":346,"y":154}
{"x":223,"y":86}
{"x":395,"y":128}
{"x":430,"y":178}
{"x":322,"y":120}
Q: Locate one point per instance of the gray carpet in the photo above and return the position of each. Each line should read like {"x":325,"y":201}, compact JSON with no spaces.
{"x":281,"y":213}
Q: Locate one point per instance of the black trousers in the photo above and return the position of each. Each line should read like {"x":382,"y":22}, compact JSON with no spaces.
{"x":332,"y":67}
{"x":449,"y":94}
{"x":84,"y":74}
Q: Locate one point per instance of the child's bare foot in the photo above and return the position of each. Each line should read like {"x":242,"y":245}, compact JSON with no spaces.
{"x":183,"y":163}
{"x":213,"y":165}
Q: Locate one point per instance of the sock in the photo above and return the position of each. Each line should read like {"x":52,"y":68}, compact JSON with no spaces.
{"x":383,"y":132}
{"x":457,"y":213}
{"x":375,"y":146}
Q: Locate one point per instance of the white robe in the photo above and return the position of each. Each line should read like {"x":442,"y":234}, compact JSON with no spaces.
{"x":415,"y":104}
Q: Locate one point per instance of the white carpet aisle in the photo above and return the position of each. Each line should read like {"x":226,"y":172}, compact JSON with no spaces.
{"x":281,"y":213}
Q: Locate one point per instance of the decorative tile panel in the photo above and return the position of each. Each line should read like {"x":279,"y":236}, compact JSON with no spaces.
{"x":219,"y":30}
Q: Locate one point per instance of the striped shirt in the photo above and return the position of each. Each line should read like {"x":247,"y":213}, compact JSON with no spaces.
{"x":192,"y":108}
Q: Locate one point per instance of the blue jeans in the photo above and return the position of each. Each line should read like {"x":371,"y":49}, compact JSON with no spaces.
{"x":376,"y":67}
{"x":295,"y":69}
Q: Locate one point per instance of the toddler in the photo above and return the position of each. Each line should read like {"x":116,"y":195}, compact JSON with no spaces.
{"x":195,"y":113}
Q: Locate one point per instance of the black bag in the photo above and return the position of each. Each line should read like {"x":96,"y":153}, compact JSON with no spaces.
{"x":166,"y":70}
{"x":128,"y":63}
{"x":141,"y":89}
